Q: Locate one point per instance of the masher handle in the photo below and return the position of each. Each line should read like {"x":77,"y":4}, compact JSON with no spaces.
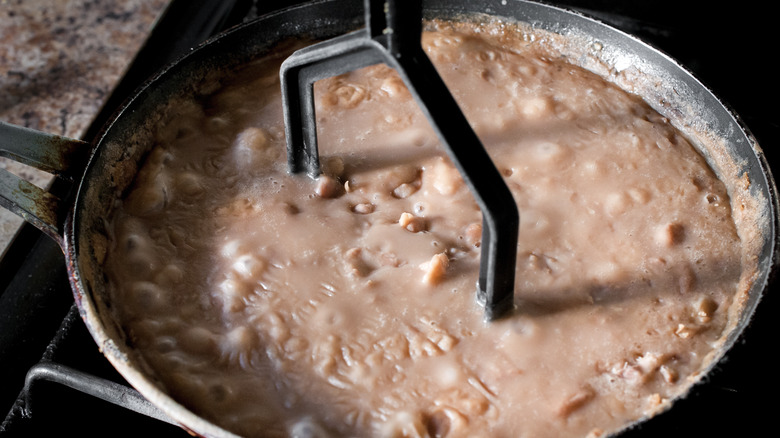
{"x":392,"y":35}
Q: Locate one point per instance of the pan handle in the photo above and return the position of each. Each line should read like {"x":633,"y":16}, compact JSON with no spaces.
{"x":63,"y":157}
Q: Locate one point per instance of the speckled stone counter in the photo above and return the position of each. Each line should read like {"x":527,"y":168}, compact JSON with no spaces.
{"x":59,"y":61}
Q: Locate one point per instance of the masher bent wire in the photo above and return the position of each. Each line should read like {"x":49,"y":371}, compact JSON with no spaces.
{"x":392,"y":36}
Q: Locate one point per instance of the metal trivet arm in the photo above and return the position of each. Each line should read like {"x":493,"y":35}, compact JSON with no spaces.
{"x":392,"y":36}
{"x":106,"y":390}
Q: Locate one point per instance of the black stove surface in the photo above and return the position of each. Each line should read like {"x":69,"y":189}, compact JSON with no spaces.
{"x":725,"y":47}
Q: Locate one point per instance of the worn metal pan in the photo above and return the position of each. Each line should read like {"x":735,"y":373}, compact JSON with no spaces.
{"x":103,"y":171}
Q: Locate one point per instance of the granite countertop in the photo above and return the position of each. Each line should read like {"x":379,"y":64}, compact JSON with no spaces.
{"x":59,"y":61}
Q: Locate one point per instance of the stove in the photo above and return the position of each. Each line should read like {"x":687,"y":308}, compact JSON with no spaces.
{"x":44,"y":342}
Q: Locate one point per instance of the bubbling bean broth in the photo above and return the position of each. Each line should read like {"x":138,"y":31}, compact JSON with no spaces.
{"x":275,"y":305}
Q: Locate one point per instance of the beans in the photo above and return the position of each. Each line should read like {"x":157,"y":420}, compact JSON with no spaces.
{"x":233,"y":294}
{"x":443,"y":177}
{"x":358,"y":263}
{"x":146,"y":297}
{"x":576,"y":401}
{"x":394,"y":87}
{"x":253,"y":149}
{"x":238,"y":346}
{"x":170,"y":275}
{"x":405,"y":424}
{"x":535,"y":108}
{"x":328,"y":187}
{"x":363,"y":208}
{"x":189,"y":184}
{"x":670,"y":234}
{"x":405,"y":190}
{"x":151,"y":197}
{"x":308,"y":428}
{"x":249,"y":266}
{"x":251,"y":140}
{"x":412,"y":223}
{"x":197,"y":340}
{"x":436,"y":269}
{"x":344,"y":95}
{"x":705,"y":309}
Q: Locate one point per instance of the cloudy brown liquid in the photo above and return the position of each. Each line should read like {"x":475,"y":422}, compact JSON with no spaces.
{"x":276,"y":305}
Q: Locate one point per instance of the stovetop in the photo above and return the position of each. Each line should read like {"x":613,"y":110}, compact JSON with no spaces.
{"x":724,"y":47}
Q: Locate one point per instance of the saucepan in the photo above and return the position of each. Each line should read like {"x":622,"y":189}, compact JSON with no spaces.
{"x":102,"y":172}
